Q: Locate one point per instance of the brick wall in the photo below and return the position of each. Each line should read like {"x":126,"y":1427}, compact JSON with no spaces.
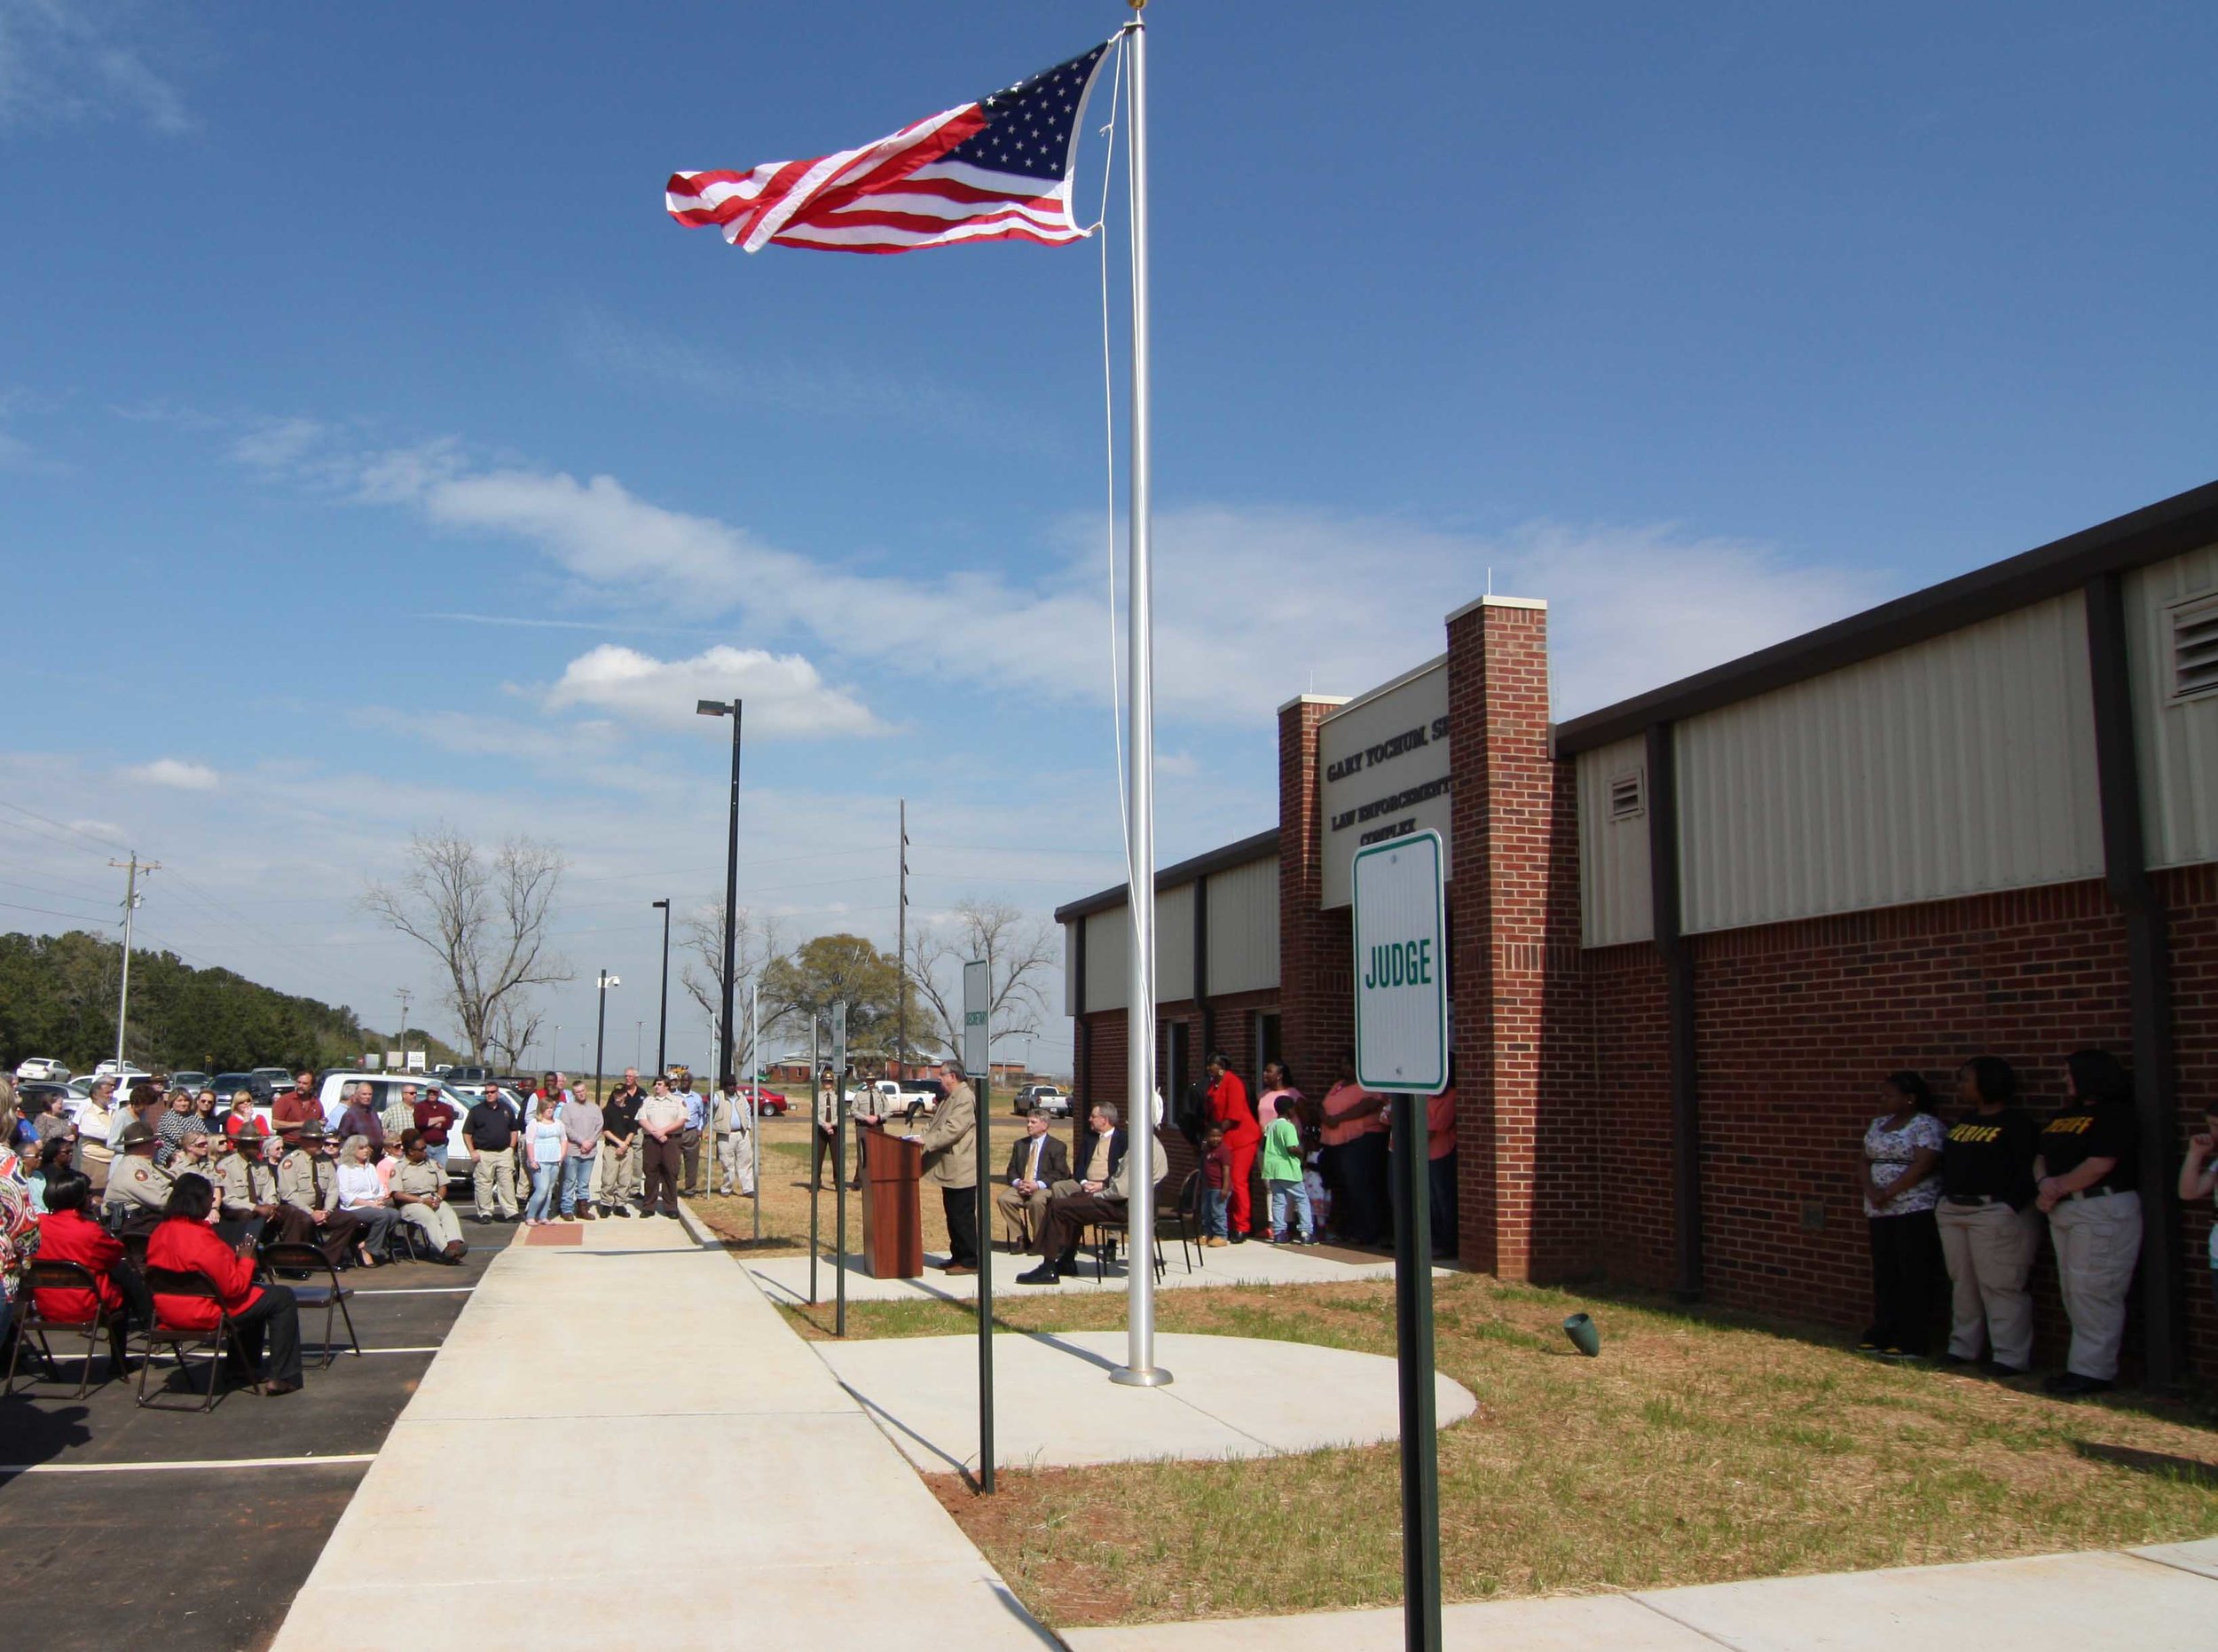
{"x":1521,"y":1086}
{"x":1316,"y":986}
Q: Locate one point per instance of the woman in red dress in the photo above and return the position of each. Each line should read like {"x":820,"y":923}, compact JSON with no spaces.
{"x":185,"y":1243}
{"x":1229,"y":1106}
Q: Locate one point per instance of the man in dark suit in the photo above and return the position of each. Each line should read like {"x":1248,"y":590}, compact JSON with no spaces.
{"x":1100,"y":1192}
{"x":1037,"y":1161}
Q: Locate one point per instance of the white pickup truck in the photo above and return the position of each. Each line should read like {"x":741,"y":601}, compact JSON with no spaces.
{"x":890,"y":1098}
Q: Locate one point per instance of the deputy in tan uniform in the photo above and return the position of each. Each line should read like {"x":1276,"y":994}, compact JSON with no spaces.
{"x":419,"y":1190}
{"x":304,"y":1181}
{"x":246,"y":1185}
{"x":138,"y":1189}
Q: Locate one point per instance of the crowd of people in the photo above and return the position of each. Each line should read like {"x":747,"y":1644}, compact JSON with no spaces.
{"x":1965,"y":1204}
{"x":171,"y":1179}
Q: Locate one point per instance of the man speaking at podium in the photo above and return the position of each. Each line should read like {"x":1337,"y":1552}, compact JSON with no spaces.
{"x":950,"y":1145}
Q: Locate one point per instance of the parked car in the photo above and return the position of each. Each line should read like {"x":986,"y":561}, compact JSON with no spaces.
{"x":466,"y":1075}
{"x":385,"y":1087}
{"x":229,"y":1084}
{"x":44,"y":1067}
{"x":124,"y":1072}
{"x":772,"y":1103}
{"x":191,"y":1080}
{"x":50,"y":1086}
{"x":276,"y":1078}
{"x":892,"y":1099}
{"x":1051,"y":1099}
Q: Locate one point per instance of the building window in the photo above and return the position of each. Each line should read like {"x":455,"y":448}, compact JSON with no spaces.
{"x":1628,"y":796}
{"x":2195,"y":647}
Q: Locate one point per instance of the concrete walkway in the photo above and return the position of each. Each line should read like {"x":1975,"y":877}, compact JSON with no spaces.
{"x":2156,"y":1599}
{"x":626,"y":1408}
{"x":785,"y":1278}
{"x":1055,"y":1406}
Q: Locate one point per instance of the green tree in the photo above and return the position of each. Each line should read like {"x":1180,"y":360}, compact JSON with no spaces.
{"x":836,"y":968}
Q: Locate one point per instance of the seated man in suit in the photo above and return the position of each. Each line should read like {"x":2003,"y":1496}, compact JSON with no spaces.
{"x":1101,"y":1193}
{"x":1037,"y":1161}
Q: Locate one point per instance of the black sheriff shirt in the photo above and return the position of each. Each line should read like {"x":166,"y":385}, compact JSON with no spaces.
{"x":1990,"y":1155}
{"x":2084,"y":1130}
{"x":620,"y":1117}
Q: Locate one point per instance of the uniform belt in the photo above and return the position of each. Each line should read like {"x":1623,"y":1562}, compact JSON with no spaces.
{"x":1975,"y":1198}
{"x":2095,"y":1193}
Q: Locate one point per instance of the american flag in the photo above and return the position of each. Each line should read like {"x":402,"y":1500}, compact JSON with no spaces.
{"x":996,"y":170}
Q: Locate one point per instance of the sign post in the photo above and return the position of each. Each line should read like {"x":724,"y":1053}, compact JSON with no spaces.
{"x":978,"y":1052}
{"x":839,"y":1166}
{"x":1401,"y":929}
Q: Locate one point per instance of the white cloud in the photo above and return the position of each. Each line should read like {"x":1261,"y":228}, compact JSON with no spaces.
{"x":784,"y":695}
{"x":63,"y":60}
{"x":1253,"y":604}
{"x":169,"y":771}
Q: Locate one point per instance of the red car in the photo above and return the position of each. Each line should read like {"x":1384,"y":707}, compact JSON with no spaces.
{"x":773,"y":1103}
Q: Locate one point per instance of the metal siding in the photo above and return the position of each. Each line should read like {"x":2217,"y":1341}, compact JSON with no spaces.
{"x":2178,"y":738}
{"x":1615,"y":902}
{"x":1174,"y":944}
{"x":1961,"y":764}
{"x":1243,"y":928}
{"x":1071,"y":1006}
{"x":1108,"y":959}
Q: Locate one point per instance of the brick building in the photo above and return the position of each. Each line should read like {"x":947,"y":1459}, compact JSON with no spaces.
{"x":1692,"y":931}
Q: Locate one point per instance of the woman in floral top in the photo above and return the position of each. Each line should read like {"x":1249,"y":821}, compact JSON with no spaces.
{"x":1902,"y":1150}
{"x":19,"y":1234}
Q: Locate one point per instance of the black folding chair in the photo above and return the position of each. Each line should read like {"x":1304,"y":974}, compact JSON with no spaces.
{"x":218,"y":1339}
{"x":309,"y":1260}
{"x":1185,"y":1208}
{"x":1104,"y":1232}
{"x":63,"y":1276}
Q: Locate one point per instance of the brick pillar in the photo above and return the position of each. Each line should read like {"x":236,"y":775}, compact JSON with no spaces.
{"x":1316,"y":985}
{"x":1509,"y":907}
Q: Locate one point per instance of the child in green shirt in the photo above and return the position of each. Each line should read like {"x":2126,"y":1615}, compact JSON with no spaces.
{"x":1282,"y":1175}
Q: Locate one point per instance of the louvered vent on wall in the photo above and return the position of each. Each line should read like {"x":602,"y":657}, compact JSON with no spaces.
{"x":2195,"y":647}
{"x":1627,"y":797}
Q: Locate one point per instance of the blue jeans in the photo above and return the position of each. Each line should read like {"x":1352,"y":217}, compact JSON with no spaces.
{"x":541,"y":1204}
{"x":1290,"y":1198}
{"x":1214,"y":1202}
{"x":577,"y":1184}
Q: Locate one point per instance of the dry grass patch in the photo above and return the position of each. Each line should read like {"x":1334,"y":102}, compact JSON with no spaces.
{"x":1696,"y":1449}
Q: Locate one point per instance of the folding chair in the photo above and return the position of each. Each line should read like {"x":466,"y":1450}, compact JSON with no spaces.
{"x":61,"y":1276}
{"x":1185,"y":1208}
{"x":310,"y":1260}
{"x":1104,"y":1240}
{"x":216,"y":1338}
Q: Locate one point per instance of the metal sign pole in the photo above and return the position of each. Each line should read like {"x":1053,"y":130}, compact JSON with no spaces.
{"x":1413,"y":1341}
{"x":816,"y":1153}
{"x":754,"y":1097}
{"x":840,"y":1164}
{"x":978,"y":1058}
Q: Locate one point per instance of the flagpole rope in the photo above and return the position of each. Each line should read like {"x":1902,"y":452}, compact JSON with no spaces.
{"x":1109,"y":433}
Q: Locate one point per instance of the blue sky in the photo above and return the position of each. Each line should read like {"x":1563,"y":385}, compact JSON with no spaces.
{"x":374,"y":453}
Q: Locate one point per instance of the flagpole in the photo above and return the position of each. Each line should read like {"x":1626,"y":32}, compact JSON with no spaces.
{"x":1140,"y":1369}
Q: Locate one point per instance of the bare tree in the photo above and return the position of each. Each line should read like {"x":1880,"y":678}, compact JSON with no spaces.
{"x":1022,"y":949}
{"x":757,"y":942}
{"x":514,"y":1029}
{"x":485,"y":915}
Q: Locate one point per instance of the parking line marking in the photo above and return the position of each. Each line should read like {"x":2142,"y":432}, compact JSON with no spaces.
{"x":220,"y":1462}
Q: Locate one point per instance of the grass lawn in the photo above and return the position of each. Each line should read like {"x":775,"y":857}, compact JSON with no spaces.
{"x":785,"y":1169}
{"x":1697,"y":1449}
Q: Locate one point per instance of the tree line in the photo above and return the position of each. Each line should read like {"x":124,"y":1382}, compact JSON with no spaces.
{"x":57,"y":998}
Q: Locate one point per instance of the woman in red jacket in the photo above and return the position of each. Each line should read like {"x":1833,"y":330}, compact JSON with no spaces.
{"x":63,"y":1235}
{"x":185,"y":1243}
{"x":1229,"y":1106}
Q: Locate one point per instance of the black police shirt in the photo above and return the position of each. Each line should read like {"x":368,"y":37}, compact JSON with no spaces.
{"x":620,"y":1117}
{"x":1991,"y":1155}
{"x":2084,"y":1130}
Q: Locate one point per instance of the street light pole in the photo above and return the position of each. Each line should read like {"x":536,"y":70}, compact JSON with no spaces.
{"x":718,"y":708}
{"x":662,"y":1030}
{"x":601,"y":1032}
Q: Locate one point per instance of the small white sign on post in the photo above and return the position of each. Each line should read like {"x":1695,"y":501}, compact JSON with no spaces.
{"x":1401,"y":926}
{"x":976,"y":993}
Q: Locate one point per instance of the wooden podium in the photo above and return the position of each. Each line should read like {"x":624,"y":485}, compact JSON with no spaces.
{"x":892,"y":1226}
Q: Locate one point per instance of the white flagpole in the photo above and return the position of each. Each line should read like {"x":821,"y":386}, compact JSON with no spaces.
{"x":1140,"y":1369}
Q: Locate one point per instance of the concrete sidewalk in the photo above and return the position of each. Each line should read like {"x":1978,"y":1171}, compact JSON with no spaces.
{"x":628,"y":1408}
{"x":2156,"y":1599}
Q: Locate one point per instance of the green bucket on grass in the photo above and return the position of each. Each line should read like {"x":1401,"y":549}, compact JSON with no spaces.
{"x":1583,"y":1336}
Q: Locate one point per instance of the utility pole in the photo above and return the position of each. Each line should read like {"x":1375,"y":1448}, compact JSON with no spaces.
{"x":131,"y":898}
{"x":901,"y":954}
{"x":402,"y":994}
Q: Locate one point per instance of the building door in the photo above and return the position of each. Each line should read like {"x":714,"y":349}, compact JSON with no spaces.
{"x":1177,"y":1053}
{"x":1266,"y":1045}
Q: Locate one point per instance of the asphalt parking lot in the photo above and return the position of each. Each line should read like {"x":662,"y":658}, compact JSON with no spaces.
{"x":120,"y":1526}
